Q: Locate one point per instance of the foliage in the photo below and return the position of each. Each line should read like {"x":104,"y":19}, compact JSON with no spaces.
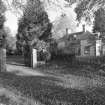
{"x":86,"y":8}
{"x":11,"y":43}
{"x":2,"y":20}
{"x":34,"y":22}
{"x":2,"y":10}
{"x":43,"y":50}
{"x":99,"y":23}
{"x":41,"y":45}
{"x":2,"y":7}
{"x":18,"y":4}
{"x":19,"y":47}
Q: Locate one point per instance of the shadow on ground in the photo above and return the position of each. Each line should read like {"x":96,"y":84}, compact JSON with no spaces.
{"x":59,"y":67}
{"x":44,"y":90}
{"x":16,"y":60}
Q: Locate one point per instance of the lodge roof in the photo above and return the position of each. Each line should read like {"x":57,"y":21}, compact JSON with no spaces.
{"x":84,"y":35}
{"x":79,"y":36}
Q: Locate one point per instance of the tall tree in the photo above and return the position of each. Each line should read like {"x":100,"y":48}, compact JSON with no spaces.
{"x":34,"y":25}
{"x":34,"y":21}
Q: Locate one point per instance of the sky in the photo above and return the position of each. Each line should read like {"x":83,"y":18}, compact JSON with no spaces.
{"x":54,"y":11}
{"x":12,"y":17}
{"x":11,"y":22}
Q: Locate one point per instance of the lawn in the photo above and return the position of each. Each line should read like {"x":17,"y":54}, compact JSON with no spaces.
{"x":46,"y":91}
{"x":62,"y":84}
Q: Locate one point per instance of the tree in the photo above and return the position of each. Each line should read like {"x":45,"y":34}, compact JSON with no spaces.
{"x":34,"y":25}
{"x":34,"y":21}
{"x":86,"y":8}
{"x":99,"y":21}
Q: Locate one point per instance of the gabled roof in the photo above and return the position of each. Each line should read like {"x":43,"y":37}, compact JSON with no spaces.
{"x":84,"y":35}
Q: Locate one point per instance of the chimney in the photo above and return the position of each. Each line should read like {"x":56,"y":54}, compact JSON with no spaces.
{"x":83,"y":27}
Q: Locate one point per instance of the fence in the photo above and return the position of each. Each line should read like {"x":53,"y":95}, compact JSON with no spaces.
{"x":91,"y":60}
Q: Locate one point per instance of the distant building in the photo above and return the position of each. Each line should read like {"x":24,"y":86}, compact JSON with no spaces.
{"x":69,"y":44}
{"x":81,"y":43}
